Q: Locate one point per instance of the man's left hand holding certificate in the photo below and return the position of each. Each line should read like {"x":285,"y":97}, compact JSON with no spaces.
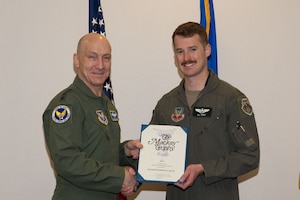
{"x":163,"y":156}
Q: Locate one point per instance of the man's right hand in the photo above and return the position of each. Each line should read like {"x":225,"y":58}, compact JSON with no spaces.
{"x":129,"y":183}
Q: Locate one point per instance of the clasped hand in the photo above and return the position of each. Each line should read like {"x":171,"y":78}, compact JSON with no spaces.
{"x":190,"y":175}
{"x":130,"y":183}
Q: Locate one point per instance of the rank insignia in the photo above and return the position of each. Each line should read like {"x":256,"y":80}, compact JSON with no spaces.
{"x":246,"y":107}
{"x":178,"y":114}
{"x":101,"y":117}
{"x":114,"y":115}
{"x":61,"y":114}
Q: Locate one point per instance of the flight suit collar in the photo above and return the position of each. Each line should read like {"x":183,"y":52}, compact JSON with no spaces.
{"x":85,"y":89}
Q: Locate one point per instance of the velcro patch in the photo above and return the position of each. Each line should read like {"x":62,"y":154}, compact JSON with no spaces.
{"x":202,"y":112}
{"x":61,"y":114}
{"x":246,"y":106}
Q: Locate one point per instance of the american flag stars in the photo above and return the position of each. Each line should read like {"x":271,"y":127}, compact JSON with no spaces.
{"x":97,"y":25}
{"x":96,"y":21}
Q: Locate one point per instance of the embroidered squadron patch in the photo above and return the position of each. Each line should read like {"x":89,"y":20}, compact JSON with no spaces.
{"x":61,"y":114}
{"x":246,"y":107}
{"x":114,"y":115}
{"x":101,"y":117}
{"x":178,"y":114}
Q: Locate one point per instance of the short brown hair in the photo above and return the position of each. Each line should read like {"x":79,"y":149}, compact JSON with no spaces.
{"x":189,"y":29}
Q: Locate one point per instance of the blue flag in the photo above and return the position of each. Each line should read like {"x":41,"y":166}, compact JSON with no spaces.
{"x":207,"y":20}
{"x":97,"y":25}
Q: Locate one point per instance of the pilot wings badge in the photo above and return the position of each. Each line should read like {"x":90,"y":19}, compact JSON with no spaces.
{"x":202,"y":112}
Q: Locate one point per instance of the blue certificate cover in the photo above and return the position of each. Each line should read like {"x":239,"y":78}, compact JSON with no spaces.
{"x":163,"y":156}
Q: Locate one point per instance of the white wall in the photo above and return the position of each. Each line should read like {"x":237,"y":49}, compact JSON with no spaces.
{"x":258,"y":48}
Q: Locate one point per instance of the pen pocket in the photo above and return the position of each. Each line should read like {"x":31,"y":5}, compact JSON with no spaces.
{"x":242,"y":139}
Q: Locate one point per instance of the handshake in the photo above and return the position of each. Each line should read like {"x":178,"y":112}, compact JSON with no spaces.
{"x":130,"y":183}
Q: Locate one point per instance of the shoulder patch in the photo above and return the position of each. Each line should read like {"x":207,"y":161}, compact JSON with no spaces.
{"x":61,"y":114}
{"x":246,"y":106}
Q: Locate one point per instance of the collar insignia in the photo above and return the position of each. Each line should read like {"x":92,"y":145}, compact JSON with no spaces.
{"x":61,"y":114}
{"x":178,"y":114}
{"x":101,"y":117}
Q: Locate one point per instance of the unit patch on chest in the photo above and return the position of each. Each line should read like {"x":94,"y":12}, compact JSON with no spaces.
{"x":202,"y":112}
{"x":101,"y":117}
{"x":178,"y":114}
{"x":114,"y":115}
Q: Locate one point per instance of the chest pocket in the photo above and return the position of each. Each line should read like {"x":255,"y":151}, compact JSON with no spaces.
{"x":210,"y":138}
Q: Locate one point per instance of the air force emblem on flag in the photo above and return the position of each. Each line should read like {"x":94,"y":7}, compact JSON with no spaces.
{"x":101,"y":117}
{"x":178,"y":114}
{"x":61,"y":114}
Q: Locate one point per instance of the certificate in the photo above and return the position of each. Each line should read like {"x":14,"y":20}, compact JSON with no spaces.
{"x":163,"y":156}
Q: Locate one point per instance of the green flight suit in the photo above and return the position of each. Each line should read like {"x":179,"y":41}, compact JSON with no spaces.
{"x":83,"y":137}
{"x":222,"y":136}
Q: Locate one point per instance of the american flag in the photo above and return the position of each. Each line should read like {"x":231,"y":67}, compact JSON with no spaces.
{"x":97,"y":25}
{"x":208,"y":22}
